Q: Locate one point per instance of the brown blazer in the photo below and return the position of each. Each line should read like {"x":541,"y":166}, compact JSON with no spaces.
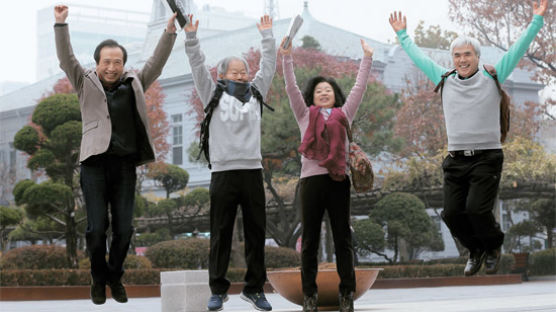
{"x":97,"y":127}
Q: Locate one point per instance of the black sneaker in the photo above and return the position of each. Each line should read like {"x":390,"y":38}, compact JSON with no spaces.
{"x":346,"y":302}
{"x":310,"y":303}
{"x":117,"y":290}
{"x":98,"y":293}
{"x":474,"y":262}
{"x":492,"y":261}
{"x":216,"y":302}
{"x":257,"y":300}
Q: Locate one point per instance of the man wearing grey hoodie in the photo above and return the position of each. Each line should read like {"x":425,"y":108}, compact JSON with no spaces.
{"x":234,"y":146}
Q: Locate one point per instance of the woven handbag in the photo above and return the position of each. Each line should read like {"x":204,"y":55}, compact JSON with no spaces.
{"x":362,"y":176}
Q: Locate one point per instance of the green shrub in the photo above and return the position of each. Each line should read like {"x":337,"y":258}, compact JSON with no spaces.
{"x":36,"y":257}
{"x":70,"y":277}
{"x":189,"y":253}
{"x":131,"y":262}
{"x":543,"y":262}
{"x":281,"y":257}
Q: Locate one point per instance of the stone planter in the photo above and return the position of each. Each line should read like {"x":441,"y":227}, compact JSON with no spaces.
{"x":288,"y":284}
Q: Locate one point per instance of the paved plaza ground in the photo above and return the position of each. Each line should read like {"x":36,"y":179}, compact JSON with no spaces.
{"x":538,"y":296}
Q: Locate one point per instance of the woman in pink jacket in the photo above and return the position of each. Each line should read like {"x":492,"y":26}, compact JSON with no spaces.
{"x":322,"y":112}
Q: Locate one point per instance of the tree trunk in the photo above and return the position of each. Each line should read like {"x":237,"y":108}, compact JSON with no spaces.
{"x":71,"y":240}
{"x":549,"y":238}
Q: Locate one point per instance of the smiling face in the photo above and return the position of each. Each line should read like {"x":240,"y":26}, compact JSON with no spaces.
{"x":111,"y":65}
{"x":323,"y":96}
{"x":465,"y":60}
{"x":236,"y":72}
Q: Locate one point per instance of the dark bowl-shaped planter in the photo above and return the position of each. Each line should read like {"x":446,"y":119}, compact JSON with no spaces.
{"x":288,"y":284}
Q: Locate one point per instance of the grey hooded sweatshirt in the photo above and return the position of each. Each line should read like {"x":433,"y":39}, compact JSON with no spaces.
{"x":235,"y":127}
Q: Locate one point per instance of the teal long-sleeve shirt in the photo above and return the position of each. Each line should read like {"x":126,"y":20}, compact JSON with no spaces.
{"x":504,"y":67}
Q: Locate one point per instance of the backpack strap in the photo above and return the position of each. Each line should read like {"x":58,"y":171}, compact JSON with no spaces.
{"x":440,"y":85}
{"x":504,"y":104}
{"x":259,"y":97}
{"x":492,"y":71}
{"x":204,"y":133}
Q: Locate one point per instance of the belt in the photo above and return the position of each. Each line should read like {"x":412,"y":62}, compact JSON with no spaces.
{"x":469,"y":153}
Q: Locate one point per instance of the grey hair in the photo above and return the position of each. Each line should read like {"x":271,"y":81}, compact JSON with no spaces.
{"x":222,"y":66}
{"x":464,"y":40}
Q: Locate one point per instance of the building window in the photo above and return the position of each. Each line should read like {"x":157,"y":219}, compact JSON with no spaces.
{"x":177,"y":135}
{"x":176,"y":118}
{"x":177,"y":155}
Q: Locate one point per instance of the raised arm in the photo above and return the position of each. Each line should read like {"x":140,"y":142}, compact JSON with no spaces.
{"x":267,"y":66}
{"x":202,"y":79}
{"x":153,"y":67}
{"x":425,"y":63}
{"x":68,"y":62}
{"x":297,"y":103}
{"x":356,"y":94}
{"x":511,"y":58}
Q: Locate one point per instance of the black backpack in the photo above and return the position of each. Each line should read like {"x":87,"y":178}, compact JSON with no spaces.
{"x":504,"y":99}
{"x":204,"y":135}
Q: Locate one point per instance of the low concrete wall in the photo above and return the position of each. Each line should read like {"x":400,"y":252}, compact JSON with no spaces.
{"x":142,"y":291}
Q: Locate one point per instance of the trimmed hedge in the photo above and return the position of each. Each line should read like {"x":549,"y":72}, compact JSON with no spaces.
{"x":281,"y":257}
{"x":131,"y":262}
{"x":191,"y":253}
{"x":70,"y":277}
{"x":36,"y":257}
{"x":543,"y":262}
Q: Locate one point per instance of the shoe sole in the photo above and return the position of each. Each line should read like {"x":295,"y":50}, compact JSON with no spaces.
{"x":222,"y":307}
{"x":242,"y":296}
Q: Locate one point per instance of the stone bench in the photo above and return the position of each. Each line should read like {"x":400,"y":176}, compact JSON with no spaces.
{"x":184,"y":291}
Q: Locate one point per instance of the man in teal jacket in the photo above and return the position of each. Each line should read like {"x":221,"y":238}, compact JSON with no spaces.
{"x":472,"y":169}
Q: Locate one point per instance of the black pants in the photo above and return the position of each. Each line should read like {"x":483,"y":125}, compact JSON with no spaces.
{"x":470,"y":189}
{"x":228,"y":189}
{"x":108,"y":181}
{"x":320,"y":193}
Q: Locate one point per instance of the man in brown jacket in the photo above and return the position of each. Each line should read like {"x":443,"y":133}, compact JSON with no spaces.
{"x":115,"y":140}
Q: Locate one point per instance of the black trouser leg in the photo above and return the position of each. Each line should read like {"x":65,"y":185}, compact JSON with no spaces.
{"x":93,"y":185}
{"x":254,"y":227}
{"x":339,"y":214}
{"x":122,"y":200}
{"x":224,"y":198}
{"x":470,"y":189}
{"x":312,"y":211}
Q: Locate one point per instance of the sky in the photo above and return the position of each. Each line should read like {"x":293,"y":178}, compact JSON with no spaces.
{"x":368,"y":18}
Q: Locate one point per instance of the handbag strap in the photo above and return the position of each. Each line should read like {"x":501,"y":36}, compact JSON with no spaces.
{"x":348,"y":129}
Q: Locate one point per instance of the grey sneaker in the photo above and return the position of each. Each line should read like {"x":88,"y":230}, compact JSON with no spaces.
{"x":310,"y":303}
{"x":216,"y":302}
{"x":257,"y":300}
{"x":346,"y":302}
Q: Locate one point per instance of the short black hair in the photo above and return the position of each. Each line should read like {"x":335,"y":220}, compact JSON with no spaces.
{"x":108,"y":43}
{"x":339,"y":98}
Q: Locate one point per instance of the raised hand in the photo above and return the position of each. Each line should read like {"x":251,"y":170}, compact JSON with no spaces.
{"x":191,"y":26}
{"x":171,"y":27}
{"x":540,"y":9}
{"x":266,"y":23}
{"x":287,"y":51}
{"x":398,"y":21}
{"x":367,"y":50}
{"x":60,"y":13}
